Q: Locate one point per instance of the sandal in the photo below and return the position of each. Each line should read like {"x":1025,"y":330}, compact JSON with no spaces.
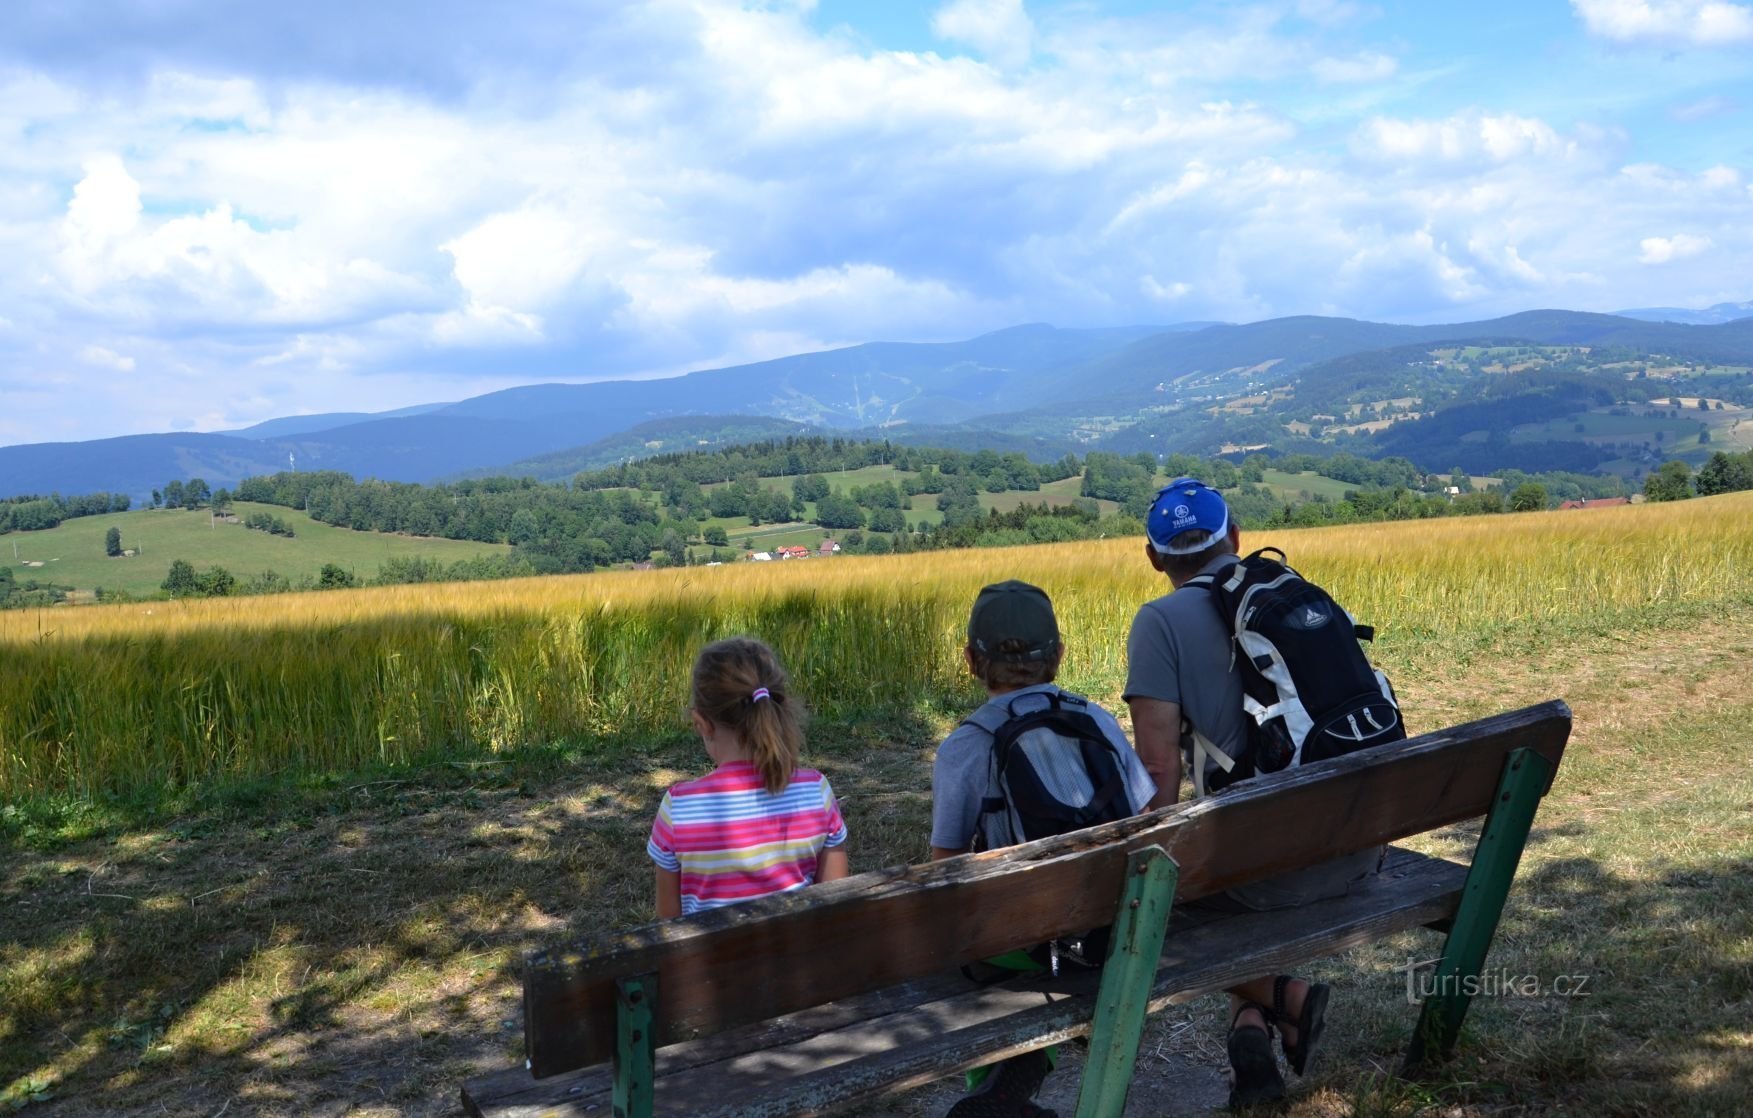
{"x":1252,"y":1062}
{"x":1310,"y":1024}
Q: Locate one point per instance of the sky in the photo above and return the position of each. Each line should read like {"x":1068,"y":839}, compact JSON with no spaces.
{"x":213,"y":213}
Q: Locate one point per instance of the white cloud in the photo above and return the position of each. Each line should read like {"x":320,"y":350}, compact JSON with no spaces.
{"x":105,"y":208}
{"x":106,"y":358}
{"x":1707,"y":23}
{"x":1368,"y":66}
{"x":1704,"y":108}
{"x":1664,"y":250}
{"x":1164,"y":292}
{"x":1466,"y":137}
{"x":1333,"y":13}
{"x":754,"y":187}
{"x":999,"y":29}
{"x":520,"y":261}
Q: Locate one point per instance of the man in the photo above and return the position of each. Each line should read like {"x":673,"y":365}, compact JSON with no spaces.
{"x":1180,"y":671}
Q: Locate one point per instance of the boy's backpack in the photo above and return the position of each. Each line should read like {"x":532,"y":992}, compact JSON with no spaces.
{"x":1306,"y":683}
{"x":1053,"y":770}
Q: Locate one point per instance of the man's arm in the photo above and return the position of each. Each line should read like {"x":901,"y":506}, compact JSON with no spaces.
{"x":939,"y":853}
{"x":1156,"y":733}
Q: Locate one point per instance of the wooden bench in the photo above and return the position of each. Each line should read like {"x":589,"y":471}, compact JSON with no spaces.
{"x":805,"y":1002}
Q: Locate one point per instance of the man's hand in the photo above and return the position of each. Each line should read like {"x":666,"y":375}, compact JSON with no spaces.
{"x":1156,"y":733}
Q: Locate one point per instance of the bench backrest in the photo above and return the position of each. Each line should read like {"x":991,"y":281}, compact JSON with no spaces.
{"x":779,"y":954}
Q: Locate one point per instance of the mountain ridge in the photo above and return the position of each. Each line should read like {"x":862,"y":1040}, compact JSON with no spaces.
{"x":1033,"y":385}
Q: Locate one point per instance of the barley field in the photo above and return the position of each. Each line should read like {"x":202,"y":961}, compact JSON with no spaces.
{"x":113,"y":701}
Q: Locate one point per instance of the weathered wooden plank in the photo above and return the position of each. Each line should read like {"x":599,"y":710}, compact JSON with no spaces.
{"x":502,"y":1087}
{"x":956,"y":1026}
{"x":771,"y":956}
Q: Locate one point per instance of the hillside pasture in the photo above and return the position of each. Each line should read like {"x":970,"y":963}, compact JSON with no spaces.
{"x":1603,"y":427}
{"x":746,"y":537}
{"x":1305,"y":485}
{"x":72,"y":553}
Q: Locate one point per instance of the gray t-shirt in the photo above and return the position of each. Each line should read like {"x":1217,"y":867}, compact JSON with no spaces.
{"x":1180,"y":652}
{"x":963,"y":771}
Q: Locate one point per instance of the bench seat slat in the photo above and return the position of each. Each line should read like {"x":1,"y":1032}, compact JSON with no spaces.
{"x":910,"y":1035}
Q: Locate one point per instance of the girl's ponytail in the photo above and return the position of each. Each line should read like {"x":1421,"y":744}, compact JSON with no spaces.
{"x":773,"y":737}
{"x":738,"y":683}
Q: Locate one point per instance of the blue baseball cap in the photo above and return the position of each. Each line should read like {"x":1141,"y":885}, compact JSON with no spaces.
{"x":1185,"y":505}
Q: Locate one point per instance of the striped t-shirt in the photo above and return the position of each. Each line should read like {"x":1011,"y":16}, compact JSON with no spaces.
{"x":731,"y":840}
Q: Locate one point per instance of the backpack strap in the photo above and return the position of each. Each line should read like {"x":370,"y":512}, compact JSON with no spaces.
{"x":988,"y":804}
{"x":1203,"y":749}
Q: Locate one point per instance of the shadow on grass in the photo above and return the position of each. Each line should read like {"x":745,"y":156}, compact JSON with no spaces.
{"x":1613,"y":993}
{"x":323,"y":947}
{"x":356,"y":944}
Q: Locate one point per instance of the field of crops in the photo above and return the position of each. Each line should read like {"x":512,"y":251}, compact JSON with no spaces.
{"x":116,"y":700}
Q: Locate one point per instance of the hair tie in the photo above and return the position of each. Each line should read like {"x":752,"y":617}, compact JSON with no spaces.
{"x":760,"y":693}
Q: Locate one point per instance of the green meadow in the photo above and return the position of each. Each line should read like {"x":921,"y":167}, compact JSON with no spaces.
{"x":72,"y":554}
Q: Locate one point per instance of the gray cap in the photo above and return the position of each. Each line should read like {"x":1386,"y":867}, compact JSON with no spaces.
{"x":1013,"y":610}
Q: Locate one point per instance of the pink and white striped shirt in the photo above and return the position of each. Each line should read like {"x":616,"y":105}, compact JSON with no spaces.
{"x":732,"y":840}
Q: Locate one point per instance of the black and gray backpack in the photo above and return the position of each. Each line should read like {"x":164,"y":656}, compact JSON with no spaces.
{"x":1307,"y":686}
{"x":1053,"y":770}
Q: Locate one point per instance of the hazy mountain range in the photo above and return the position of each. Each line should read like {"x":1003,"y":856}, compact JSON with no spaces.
{"x":1037,"y":388}
{"x":1709,"y":316}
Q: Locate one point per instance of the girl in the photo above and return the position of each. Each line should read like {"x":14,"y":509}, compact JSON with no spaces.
{"x":758,"y":824}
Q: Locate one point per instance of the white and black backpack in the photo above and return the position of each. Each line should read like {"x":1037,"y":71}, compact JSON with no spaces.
{"x":1052,"y":770}
{"x":1307,"y":686}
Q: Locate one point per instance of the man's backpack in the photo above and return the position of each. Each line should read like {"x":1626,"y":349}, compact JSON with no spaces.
{"x":1053,"y":770}
{"x":1307,"y":685}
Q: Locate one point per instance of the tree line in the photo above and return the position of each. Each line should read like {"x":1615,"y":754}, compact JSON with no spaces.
{"x":1721,"y":473}
{"x":35,"y":513}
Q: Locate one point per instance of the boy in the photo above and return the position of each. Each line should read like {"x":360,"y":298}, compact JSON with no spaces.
{"x":1014,"y":650}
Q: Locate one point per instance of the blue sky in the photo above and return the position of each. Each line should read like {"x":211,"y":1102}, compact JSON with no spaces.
{"x":215,"y":213}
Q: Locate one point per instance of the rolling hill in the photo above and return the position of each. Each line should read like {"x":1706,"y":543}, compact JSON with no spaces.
{"x":1034,"y":388}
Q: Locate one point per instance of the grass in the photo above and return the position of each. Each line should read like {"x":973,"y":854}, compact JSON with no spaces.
{"x":184,"y":953}
{"x":136,"y":700}
{"x":1306,"y":484}
{"x":72,"y":553}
